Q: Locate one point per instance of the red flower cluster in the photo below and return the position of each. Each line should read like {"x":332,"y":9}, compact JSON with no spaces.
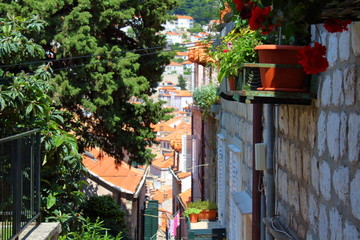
{"x":313,"y":58}
{"x":258,"y":17}
{"x":336,"y":25}
{"x":225,"y":50}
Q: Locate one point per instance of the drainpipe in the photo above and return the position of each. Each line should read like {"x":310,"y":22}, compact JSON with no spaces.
{"x":202,"y":159}
{"x":269,"y":173}
{"x":256,"y":194}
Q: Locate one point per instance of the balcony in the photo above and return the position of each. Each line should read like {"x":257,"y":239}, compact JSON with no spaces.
{"x":205,"y":230}
{"x":19,"y":183}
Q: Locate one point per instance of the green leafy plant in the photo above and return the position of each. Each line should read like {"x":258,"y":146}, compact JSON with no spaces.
{"x":89,"y":231}
{"x":191,"y":210}
{"x":206,"y":96}
{"x":203,"y":205}
{"x":105,"y":209}
{"x":236,"y":48}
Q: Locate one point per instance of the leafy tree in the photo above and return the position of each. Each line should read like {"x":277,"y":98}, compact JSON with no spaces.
{"x":106,"y":90}
{"x":25,"y":104}
{"x":181,"y":82}
{"x":105,"y":209}
{"x":201,"y":10}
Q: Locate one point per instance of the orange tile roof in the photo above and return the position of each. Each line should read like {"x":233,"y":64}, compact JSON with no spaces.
{"x":167,"y":88}
{"x":181,"y":53}
{"x":187,"y":62}
{"x":184,"y":93}
{"x":185,"y":197}
{"x":182,"y":175}
{"x":185,"y":17}
{"x":163,"y":194}
{"x":162,"y":127}
{"x":178,"y":134}
{"x":175,"y":64}
{"x":123,"y":175}
{"x":162,"y":163}
{"x":173,"y":34}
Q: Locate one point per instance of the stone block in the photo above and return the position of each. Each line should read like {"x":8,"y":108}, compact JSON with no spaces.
{"x":313,"y":213}
{"x":343,"y":134}
{"x":335,"y":225}
{"x":293,"y":189}
{"x":332,"y":50}
{"x":350,"y":85}
{"x":350,"y":231}
{"x":325,"y":95}
{"x":355,"y":38}
{"x":337,"y":97}
{"x":306,"y":166}
{"x":344,"y":43}
{"x":333,"y":135}
{"x":283,"y":181}
{"x":283,"y":120}
{"x":304,"y":208}
{"x":341,"y":183}
{"x":323,"y":223}
{"x":321,"y":133}
{"x":325,"y":180}
{"x":355,"y":195}
{"x":315,"y":174}
{"x":354,"y":137}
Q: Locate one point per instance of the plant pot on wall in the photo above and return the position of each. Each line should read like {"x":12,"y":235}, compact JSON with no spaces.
{"x":287,"y":78}
{"x":233,"y":82}
{"x":194,"y":217}
{"x":208,"y":215}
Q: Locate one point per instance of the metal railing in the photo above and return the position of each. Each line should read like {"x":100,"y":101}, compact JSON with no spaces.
{"x":19,"y":182}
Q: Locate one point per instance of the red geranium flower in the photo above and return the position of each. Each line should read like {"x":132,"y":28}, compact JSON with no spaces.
{"x":246,"y":10}
{"x":336,"y":25}
{"x":239,"y":4}
{"x":226,"y":50}
{"x":313,"y":58}
{"x":258,"y":16}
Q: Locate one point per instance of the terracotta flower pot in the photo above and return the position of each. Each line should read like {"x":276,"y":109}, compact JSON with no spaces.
{"x":233,"y":82}
{"x":281,"y":79}
{"x":207,"y":215}
{"x":194,"y":217}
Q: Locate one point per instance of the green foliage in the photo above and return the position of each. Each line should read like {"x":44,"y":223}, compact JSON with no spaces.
{"x":102,"y":90}
{"x":25,"y":104}
{"x":181,"y":82}
{"x":89,"y":231}
{"x":202,"y":205}
{"x":242,"y":42}
{"x":201,"y":10}
{"x":105,"y":209}
{"x":206,"y":96}
{"x":191,"y":210}
{"x":178,"y":60}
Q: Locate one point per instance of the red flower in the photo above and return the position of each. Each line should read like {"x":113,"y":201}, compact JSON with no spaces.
{"x":313,"y":58}
{"x":226,"y":50}
{"x":245,"y":12}
{"x":336,"y":25}
{"x":239,"y":4}
{"x":258,"y":16}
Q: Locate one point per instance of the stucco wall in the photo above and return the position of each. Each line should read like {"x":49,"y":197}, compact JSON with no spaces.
{"x":317,"y":149}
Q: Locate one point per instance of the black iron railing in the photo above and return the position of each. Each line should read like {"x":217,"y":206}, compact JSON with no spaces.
{"x":19,"y":182}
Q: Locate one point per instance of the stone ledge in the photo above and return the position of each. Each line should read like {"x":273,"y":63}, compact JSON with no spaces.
{"x":44,"y":231}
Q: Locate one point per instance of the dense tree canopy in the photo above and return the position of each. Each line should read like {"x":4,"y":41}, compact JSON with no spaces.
{"x":201,"y":10}
{"x":103,"y":76}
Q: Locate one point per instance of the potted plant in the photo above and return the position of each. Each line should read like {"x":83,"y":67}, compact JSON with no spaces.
{"x":208,"y":210}
{"x":192,"y":213}
{"x":205,"y":97}
{"x":292,"y":19}
{"x":236,"y":48}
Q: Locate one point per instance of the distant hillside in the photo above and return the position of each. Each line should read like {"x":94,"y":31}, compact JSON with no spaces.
{"x":201,"y":10}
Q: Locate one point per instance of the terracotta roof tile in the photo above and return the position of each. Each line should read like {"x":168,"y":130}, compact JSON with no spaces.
{"x":184,"y":93}
{"x":122,"y":175}
{"x":184,"y":17}
{"x":163,"y":194}
{"x":163,"y":163}
{"x":185,"y":197}
{"x":183,"y":175}
{"x":175,"y":64}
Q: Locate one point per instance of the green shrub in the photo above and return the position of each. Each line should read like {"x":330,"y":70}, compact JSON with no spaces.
{"x":105,"y":209}
{"x":206,"y":96}
{"x":189,"y":211}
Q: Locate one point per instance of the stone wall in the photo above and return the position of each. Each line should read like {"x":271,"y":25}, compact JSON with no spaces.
{"x":317,"y":148}
{"x":236,"y":126}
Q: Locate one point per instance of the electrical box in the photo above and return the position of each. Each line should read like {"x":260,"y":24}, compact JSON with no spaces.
{"x":260,"y":156}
